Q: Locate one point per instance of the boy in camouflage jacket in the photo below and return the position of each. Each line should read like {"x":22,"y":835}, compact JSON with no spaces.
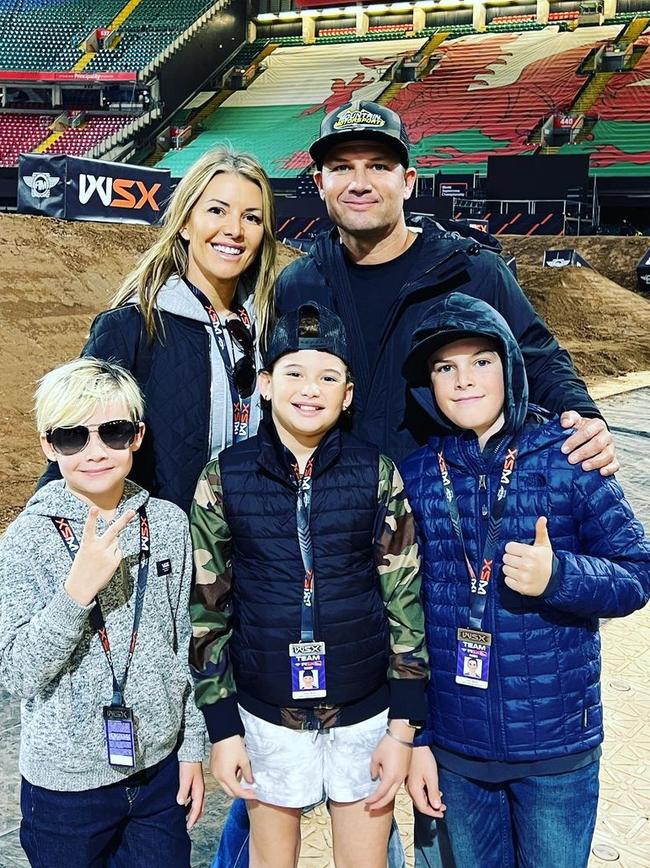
{"x":308,"y":648}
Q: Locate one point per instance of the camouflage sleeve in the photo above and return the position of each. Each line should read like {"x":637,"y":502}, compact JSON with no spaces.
{"x":211,"y":608}
{"x":398,"y":564}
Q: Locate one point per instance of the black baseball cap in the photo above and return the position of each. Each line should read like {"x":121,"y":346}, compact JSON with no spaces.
{"x":289,"y":334}
{"x":361,"y":119}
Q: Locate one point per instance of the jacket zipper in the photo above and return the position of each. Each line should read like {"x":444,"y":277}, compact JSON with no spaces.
{"x":483,"y":515}
{"x":495,"y":697}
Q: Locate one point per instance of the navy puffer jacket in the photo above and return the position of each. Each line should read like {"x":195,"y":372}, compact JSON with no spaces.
{"x":543,"y":699}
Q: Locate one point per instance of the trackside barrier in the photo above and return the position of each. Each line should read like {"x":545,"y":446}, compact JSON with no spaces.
{"x":562,"y":258}
{"x":79,"y":189}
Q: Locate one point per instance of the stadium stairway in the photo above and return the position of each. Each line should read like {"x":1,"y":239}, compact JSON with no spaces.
{"x":633,"y":30}
{"x":389,"y":94}
{"x":591,"y":92}
{"x":118,"y":21}
{"x":433,"y":43}
{"x":48,"y":142}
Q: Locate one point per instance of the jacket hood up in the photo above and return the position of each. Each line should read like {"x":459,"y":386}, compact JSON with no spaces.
{"x":461,"y":315}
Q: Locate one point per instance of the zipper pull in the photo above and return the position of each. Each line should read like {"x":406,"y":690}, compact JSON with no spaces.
{"x":481,"y":482}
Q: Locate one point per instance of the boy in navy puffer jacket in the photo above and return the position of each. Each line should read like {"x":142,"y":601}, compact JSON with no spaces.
{"x":523,"y":553}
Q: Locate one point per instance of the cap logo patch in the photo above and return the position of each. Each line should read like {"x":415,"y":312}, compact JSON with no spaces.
{"x":352,"y":117}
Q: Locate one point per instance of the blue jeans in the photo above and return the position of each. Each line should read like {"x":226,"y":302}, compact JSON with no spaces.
{"x":135,"y":823}
{"x":542,"y":821}
{"x":233,"y":846}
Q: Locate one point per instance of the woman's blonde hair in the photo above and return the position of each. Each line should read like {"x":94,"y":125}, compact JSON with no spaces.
{"x":168,"y":255}
{"x":70,"y":394}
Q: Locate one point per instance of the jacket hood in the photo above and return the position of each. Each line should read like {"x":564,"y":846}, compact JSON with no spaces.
{"x":56,"y":499}
{"x":454,"y":316}
{"x":175,"y":297}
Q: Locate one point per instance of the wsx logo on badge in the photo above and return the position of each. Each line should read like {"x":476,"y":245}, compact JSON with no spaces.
{"x":41,"y":183}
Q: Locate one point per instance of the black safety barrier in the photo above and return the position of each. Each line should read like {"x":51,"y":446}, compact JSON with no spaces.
{"x":79,"y":189}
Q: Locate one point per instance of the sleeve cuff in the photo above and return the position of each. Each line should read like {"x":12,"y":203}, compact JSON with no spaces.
{"x":65,"y":616}
{"x":192,"y":748}
{"x":555,"y":580}
{"x":222,"y":719}
{"x":423,"y":738}
{"x":407,"y":699}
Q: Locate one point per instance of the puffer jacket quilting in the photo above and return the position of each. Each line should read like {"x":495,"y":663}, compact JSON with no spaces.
{"x":177,"y":445}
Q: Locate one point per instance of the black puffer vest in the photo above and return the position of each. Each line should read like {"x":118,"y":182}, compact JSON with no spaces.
{"x":259,"y":492}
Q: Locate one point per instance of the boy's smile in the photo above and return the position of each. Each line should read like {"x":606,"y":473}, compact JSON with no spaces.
{"x":467,"y":380}
{"x":308,"y":391}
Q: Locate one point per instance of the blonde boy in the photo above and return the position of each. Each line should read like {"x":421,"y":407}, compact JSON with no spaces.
{"x":94,"y":633}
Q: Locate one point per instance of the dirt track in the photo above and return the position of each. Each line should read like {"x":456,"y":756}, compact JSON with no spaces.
{"x":616,"y":258}
{"x":56,"y":276}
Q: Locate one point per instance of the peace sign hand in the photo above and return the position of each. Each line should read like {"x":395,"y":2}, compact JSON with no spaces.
{"x":97,"y":559}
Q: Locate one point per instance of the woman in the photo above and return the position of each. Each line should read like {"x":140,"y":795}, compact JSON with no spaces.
{"x":185,"y":321}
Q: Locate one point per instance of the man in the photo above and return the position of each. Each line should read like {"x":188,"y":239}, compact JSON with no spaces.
{"x":380,"y":274}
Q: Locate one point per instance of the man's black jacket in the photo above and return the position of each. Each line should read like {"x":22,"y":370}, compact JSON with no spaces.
{"x":449,"y":261}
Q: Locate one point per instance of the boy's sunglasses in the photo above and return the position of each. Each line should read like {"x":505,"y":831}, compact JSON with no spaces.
{"x":244,"y":370}
{"x":117,"y":434}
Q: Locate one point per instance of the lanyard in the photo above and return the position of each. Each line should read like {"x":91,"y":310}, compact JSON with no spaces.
{"x":97,"y":616}
{"x":479,"y":586}
{"x":303,"y":512}
{"x":240,"y":406}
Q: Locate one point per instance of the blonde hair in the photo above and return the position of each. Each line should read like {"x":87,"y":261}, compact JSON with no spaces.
{"x":71,"y":393}
{"x":168,"y":255}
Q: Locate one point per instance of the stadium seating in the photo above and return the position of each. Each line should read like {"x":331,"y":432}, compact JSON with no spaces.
{"x":150,"y":28}
{"x":19,"y":134}
{"x":49,"y":34}
{"x":487,"y":95}
{"x":82,"y":140}
{"x":278,"y":116}
{"x":22,"y":133}
{"x":619,"y":143}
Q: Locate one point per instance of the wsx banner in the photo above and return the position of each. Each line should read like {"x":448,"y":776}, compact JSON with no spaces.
{"x":78,"y":189}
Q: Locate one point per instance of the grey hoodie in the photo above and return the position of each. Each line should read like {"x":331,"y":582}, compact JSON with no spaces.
{"x":52,"y":658}
{"x":174,"y":297}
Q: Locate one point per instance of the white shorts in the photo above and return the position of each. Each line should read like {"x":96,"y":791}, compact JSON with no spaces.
{"x":296,"y":768}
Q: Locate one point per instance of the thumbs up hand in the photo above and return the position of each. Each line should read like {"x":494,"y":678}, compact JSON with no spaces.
{"x":527,"y":568}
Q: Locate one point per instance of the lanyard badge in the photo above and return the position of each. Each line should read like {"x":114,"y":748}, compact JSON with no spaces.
{"x":307,"y":657}
{"x":120,"y":736}
{"x":119,"y":725}
{"x":473,"y":644}
{"x":473,"y":657}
